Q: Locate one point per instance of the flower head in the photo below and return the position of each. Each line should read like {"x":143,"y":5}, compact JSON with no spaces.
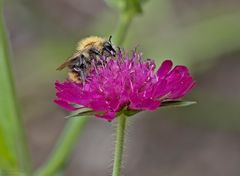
{"x":126,"y":82}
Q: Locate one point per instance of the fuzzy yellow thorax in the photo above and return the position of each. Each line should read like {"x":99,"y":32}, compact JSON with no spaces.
{"x":89,"y":42}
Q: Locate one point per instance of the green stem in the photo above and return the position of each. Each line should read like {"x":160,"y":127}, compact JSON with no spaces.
{"x":125,"y":20}
{"x":75,"y":125}
{"x":118,"y":154}
{"x":10,"y":116}
{"x":64,"y":147}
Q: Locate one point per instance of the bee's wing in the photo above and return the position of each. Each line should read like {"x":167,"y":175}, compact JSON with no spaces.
{"x":65,"y":64}
{"x":68,"y":61}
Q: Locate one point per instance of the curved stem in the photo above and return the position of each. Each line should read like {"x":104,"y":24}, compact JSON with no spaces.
{"x":118,"y":154}
{"x":64,"y":147}
{"x":125,"y":20}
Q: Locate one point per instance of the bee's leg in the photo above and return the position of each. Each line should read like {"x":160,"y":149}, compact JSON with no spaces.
{"x":80,"y":68}
{"x":82,"y":76}
{"x":97,"y":57}
{"x":95,"y":51}
{"x":94,"y":55}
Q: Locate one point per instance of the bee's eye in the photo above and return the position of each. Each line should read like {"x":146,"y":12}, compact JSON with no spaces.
{"x":108,"y":47}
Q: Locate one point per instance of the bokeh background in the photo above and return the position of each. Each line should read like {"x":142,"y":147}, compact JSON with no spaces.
{"x":203,"y":139}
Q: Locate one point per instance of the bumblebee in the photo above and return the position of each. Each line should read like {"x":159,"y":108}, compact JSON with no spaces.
{"x":87,"y":56}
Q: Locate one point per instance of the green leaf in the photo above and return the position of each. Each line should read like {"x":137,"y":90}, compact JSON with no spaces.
{"x":85,"y":112}
{"x":7,"y":160}
{"x":130,"y":112}
{"x":12,"y":133}
{"x":177,"y":103}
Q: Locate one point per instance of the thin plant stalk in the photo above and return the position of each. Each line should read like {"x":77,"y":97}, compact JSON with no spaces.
{"x":119,"y":145}
{"x":125,"y":20}
{"x":63,"y":148}
{"x":74,"y":127}
{"x":10,"y":116}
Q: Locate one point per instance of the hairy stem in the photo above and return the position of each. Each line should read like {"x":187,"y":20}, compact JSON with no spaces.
{"x":118,"y":153}
{"x":74,"y":126}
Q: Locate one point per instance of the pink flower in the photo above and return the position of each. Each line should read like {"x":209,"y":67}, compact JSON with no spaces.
{"x":126,"y":82}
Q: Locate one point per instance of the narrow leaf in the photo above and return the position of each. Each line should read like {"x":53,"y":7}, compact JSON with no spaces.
{"x":84,"y":113}
{"x":177,"y":103}
{"x":10,"y":118}
{"x":6,"y":160}
{"x":131,"y":112}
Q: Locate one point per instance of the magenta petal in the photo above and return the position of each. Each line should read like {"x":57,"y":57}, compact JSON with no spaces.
{"x":150,"y":104}
{"x":178,"y":70}
{"x":143,"y":104}
{"x":65,"y":105}
{"x":98,"y":105}
{"x":67,"y":96}
{"x":125,"y":81}
{"x":164,"y":68}
{"x":108,"y":115}
{"x":160,"y":88}
{"x":183,"y":87}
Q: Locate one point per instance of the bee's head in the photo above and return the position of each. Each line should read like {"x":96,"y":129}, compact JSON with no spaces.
{"x":107,"y":46}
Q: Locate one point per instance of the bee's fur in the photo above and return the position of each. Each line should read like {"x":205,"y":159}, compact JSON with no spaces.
{"x":88,"y":53}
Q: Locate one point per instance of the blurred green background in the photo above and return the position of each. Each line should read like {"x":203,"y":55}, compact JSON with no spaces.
{"x":199,"y":140}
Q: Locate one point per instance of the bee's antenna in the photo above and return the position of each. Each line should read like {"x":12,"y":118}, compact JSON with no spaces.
{"x":110,"y":38}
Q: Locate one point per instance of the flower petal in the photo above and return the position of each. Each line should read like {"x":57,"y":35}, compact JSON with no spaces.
{"x":65,"y":105}
{"x":108,"y":115}
{"x":164,"y":68}
{"x":125,"y":82}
